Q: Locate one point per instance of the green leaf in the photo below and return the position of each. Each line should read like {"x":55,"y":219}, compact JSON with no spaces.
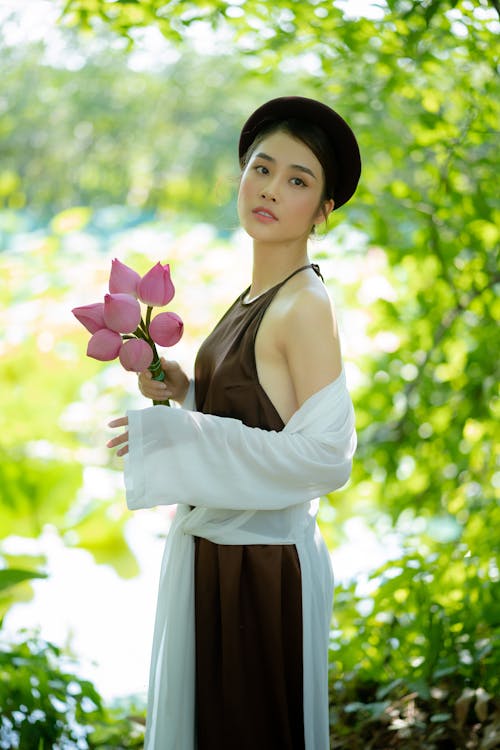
{"x":11,"y":577}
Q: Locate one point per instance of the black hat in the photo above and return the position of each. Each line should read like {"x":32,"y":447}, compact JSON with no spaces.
{"x":342,"y":139}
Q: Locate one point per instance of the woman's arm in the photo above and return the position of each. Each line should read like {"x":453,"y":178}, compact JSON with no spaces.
{"x":204,"y":460}
{"x":178,"y":456}
{"x":310,"y":342}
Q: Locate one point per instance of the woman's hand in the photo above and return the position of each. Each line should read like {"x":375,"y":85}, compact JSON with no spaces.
{"x":174,"y":386}
{"x":119,"y":439}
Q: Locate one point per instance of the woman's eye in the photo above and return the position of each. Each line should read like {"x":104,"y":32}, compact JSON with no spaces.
{"x":261,"y":169}
{"x":298,"y":181}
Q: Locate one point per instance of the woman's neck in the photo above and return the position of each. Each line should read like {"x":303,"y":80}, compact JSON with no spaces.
{"x":271,"y":265}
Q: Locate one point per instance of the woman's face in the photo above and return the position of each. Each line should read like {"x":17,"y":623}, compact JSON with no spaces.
{"x":281,"y":188}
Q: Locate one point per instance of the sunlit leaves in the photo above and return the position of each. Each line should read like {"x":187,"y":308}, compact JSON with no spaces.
{"x":11,"y":577}
{"x":417,"y":627}
{"x":14,"y":586}
{"x":44,"y":703}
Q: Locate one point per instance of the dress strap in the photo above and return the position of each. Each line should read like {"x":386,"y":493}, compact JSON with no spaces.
{"x":275,"y":288}
{"x":314,"y":267}
{"x":316,"y":270}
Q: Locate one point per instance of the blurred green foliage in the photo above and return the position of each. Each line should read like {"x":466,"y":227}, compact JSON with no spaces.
{"x":10,"y":578}
{"x":410,"y":652}
{"x":78,"y":138}
{"x":45,"y":705}
{"x":414,"y":648}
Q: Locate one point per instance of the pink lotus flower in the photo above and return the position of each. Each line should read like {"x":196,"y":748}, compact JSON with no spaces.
{"x":104,"y":345}
{"x":155,"y":289}
{"x":91,"y":316}
{"x":122,"y":279}
{"x":122,"y":313}
{"x":166,"y":329}
{"x":136,"y":355}
{"x":118,"y":328}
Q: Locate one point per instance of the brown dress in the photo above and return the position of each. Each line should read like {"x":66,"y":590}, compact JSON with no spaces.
{"x":249,"y":691}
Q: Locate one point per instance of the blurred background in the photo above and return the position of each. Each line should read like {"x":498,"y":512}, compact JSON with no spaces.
{"x":118,"y":130}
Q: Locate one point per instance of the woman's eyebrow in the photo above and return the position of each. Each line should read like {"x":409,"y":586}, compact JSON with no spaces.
{"x":300,"y":167}
{"x":303,"y":169}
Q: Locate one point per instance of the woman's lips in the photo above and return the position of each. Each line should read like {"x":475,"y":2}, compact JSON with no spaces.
{"x":263,"y":214}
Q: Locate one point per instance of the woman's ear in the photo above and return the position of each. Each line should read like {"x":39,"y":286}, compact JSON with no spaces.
{"x":324,"y":211}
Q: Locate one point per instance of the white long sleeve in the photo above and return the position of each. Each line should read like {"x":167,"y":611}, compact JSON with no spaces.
{"x":181,"y":456}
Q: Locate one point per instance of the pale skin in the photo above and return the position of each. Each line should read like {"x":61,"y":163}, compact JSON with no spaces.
{"x":297,"y":347}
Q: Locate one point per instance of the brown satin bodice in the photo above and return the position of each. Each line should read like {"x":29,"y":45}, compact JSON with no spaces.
{"x":226,"y":380}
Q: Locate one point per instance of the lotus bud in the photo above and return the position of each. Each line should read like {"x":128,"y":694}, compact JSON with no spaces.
{"x":122,"y":279}
{"x":155,"y":289}
{"x":166,"y":329}
{"x":136,"y":355}
{"x":122,"y":312}
{"x":91,"y":316}
{"x":104,"y":345}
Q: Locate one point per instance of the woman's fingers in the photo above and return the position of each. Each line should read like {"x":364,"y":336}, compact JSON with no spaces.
{"x":120,"y":422}
{"x":155,"y":389}
{"x":119,"y":440}
{"x":157,"y":394}
{"x":122,"y":451}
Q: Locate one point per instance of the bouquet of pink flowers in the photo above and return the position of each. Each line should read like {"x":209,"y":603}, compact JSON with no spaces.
{"x":117,"y":325}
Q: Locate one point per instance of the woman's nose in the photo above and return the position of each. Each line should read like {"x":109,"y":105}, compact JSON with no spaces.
{"x":268,"y":194}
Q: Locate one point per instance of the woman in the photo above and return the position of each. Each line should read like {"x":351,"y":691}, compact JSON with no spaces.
{"x":240,"y":652}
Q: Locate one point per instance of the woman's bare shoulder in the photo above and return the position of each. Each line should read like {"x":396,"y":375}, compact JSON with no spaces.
{"x":309,"y":340}
{"x":306,"y":297}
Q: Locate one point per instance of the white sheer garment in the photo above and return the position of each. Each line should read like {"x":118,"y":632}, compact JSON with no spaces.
{"x":247,"y":486}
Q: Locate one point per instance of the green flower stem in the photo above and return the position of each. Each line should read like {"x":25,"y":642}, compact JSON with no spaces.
{"x":158,"y":374}
{"x":155,"y":366}
{"x":141,"y":332}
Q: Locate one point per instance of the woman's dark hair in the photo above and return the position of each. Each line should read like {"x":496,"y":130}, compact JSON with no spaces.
{"x":312,"y":136}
